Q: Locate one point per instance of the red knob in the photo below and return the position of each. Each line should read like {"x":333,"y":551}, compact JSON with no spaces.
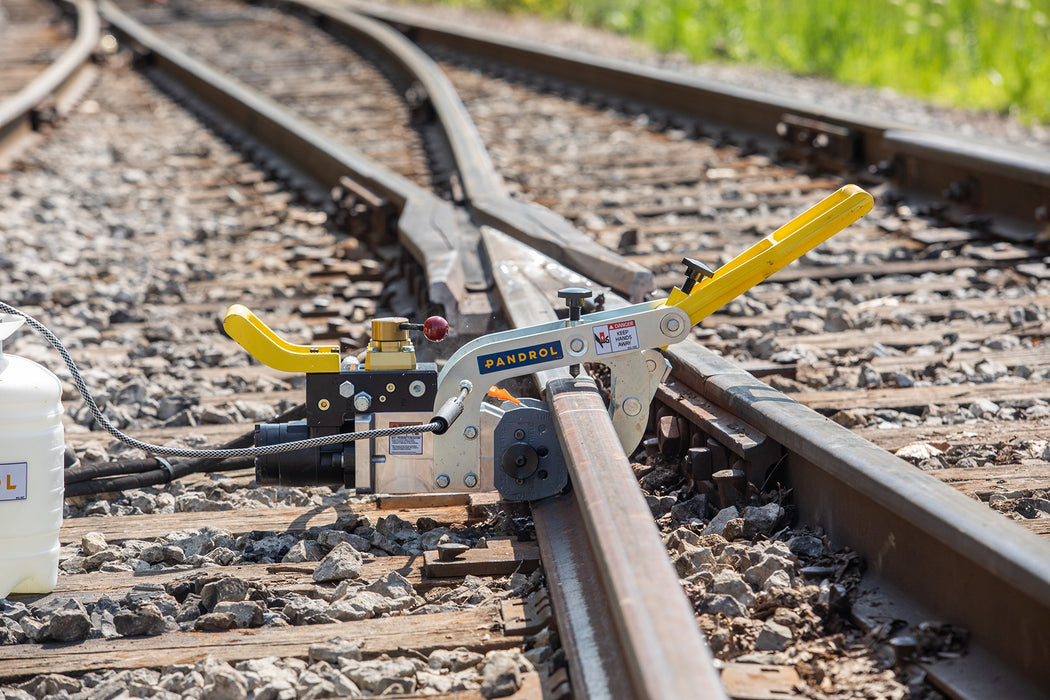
{"x":435,"y":329}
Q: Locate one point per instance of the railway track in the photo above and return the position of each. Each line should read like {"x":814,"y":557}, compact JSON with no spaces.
{"x":891,"y":330}
{"x":45,"y":70}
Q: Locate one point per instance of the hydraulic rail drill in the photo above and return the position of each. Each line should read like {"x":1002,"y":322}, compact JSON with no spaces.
{"x":512,"y":446}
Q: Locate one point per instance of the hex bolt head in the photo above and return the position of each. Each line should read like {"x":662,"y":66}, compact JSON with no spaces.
{"x":470,"y":480}
{"x":346,"y":390}
{"x":362,"y":402}
{"x":417,"y":388}
{"x":442,"y":481}
{"x":470,"y":432}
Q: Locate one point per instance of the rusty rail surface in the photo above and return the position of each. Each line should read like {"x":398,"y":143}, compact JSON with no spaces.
{"x":949,"y":555}
{"x":984,"y":178}
{"x":61,"y":82}
{"x":616,"y":549}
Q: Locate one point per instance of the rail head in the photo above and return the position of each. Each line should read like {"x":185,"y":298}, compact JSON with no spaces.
{"x":16,"y":111}
{"x":989,"y":178}
{"x":953,"y":555}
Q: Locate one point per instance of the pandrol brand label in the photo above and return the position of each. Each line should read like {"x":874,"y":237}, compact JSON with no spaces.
{"x":520,"y":357}
{"x":14,"y":476}
{"x":615,"y":337}
{"x":410,"y":444}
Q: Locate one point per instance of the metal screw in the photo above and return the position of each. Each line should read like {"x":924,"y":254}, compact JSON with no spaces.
{"x":574,"y":297}
{"x":470,"y":480}
{"x":442,"y":481}
{"x":346,"y":390}
{"x":576,"y":345}
{"x":417,"y":388}
{"x":673,"y":324}
{"x":362,"y":402}
{"x":324,"y":404}
{"x":470,"y":432}
{"x":519,"y":434}
{"x":632,"y":406}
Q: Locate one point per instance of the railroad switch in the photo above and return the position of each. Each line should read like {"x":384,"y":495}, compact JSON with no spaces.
{"x":437,"y":432}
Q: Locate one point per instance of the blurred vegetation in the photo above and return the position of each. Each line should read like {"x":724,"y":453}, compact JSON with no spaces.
{"x":973,"y":54}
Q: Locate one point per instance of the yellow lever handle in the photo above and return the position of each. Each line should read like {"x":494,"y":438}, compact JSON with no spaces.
{"x":788,"y":243}
{"x":269,"y":348}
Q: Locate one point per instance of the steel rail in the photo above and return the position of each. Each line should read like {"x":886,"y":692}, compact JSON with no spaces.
{"x":630,"y":629}
{"x":955,"y":558}
{"x":428,"y":227}
{"x":486,"y":196}
{"x":986,"y":178}
{"x":661,"y":652}
{"x":63,"y":81}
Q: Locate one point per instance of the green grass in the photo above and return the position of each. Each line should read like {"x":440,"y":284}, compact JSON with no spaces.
{"x":973,"y":54}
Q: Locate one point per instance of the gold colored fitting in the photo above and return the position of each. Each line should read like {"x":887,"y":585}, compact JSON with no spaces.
{"x":388,"y":330}
{"x":390,"y":348}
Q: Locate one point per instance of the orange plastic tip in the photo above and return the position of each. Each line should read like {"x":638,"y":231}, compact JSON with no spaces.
{"x":503,"y":394}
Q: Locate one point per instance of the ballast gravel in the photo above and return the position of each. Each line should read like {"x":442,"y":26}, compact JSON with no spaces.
{"x":765,"y":592}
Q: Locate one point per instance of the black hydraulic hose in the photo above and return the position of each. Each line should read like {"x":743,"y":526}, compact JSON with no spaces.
{"x":149,"y":478}
{"x":89,"y":479}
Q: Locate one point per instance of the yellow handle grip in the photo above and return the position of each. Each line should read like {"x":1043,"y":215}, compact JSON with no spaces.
{"x":788,"y":243}
{"x":273,"y":351}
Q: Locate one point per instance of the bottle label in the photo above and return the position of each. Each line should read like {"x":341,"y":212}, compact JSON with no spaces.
{"x":14,"y":476}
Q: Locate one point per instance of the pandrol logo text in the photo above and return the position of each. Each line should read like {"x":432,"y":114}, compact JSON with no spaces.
{"x":519,"y":357}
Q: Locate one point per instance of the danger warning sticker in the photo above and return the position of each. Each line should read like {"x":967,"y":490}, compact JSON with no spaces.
{"x":615,"y":337}
{"x":409,"y":444}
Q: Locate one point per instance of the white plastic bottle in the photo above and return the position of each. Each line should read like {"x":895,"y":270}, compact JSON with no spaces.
{"x":31,"y":471}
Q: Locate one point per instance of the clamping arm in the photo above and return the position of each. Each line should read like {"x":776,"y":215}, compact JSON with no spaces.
{"x":624,"y":339}
{"x":701,"y":298}
{"x":274,"y":351}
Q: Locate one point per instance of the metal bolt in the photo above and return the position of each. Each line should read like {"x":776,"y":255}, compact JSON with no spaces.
{"x":324,"y":404}
{"x":442,"y":481}
{"x":632,"y":406}
{"x":574,"y":297}
{"x":466,"y":384}
{"x":673,"y":324}
{"x":417,"y":388}
{"x":470,"y":480}
{"x":448,"y":551}
{"x":519,"y":434}
{"x":362,"y":402}
{"x":346,"y":390}
{"x":470,"y":432}
{"x":576,"y":345}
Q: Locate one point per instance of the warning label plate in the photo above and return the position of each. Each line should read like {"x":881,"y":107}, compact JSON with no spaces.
{"x":14,"y":478}
{"x":410,"y":444}
{"x":615,"y":337}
